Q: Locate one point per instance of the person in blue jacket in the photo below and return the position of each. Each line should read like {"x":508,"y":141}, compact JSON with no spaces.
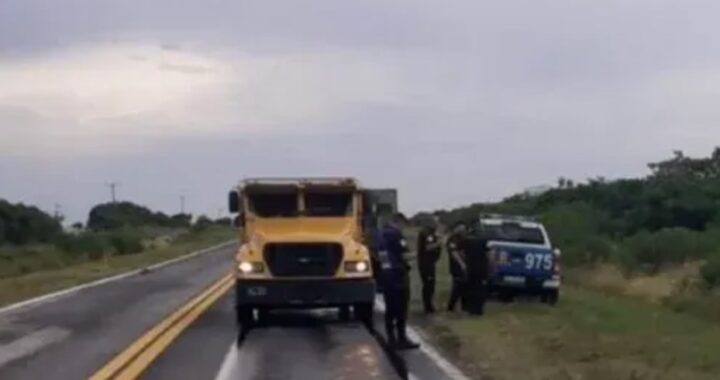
{"x":395,"y":280}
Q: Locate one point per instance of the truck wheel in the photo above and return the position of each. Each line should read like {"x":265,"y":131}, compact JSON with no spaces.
{"x":262,"y":316}
{"x":245,"y":321}
{"x":344,"y":313}
{"x":364,"y":314}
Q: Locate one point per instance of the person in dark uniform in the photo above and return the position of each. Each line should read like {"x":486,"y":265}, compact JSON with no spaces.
{"x":479,"y":268}
{"x":428,"y":246}
{"x":395,"y":280}
{"x":458,"y":270}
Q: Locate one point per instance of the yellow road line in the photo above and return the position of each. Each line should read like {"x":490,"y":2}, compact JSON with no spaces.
{"x":130,"y":363}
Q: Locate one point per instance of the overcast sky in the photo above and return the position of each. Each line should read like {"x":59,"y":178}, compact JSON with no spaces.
{"x":449,"y":101}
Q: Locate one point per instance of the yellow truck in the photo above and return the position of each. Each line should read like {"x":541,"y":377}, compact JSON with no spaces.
{"x":302,"y":246}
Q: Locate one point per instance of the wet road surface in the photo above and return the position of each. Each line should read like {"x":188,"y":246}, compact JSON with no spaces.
{"x":74,"y":336}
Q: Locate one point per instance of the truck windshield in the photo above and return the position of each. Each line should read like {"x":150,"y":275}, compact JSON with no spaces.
{"x":268,"y":205}
{"x":328,"y":203}
{"x":514,"y":232}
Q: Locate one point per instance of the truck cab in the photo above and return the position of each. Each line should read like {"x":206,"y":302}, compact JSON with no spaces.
{"x":525,"y":261}
{"x":301,"y":246}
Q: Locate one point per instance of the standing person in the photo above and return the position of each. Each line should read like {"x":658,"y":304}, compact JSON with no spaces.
{"x":478,"y":271}
{"x":458,"y":269}
{"x":428,"y":254}
{"x":395,"y":283}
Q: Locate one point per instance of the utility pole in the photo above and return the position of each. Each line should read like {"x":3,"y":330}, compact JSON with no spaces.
{"x":112,"y":186}
{"x":57,"y":214}
{"x":182,"y":204}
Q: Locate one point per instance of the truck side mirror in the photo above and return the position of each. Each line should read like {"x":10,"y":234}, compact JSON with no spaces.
{"x":233,"y":201}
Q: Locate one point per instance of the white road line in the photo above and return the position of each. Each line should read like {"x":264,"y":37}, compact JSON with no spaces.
{"x":30,"y":344}
{"x":69,"y":291}
{"x":229,"y":368}
{"x":450,"y":370}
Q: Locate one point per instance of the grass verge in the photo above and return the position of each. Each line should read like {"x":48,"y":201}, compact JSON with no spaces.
{"x":590,"y":335}
{"x":14,"y":289}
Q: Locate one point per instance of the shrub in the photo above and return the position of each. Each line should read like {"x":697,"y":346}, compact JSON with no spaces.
{"x":125,"y":242}
{"x":651,"y":251}
{"x":21,"y":224}
{"x":94,"y":245}
{"x":710,"y":271}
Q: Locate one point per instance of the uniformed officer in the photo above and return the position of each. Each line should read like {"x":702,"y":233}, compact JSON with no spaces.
{"x":428,"y":254}
{"x":479,"y":267}
{"x":396,"y":283}
{"x":458,"y":270}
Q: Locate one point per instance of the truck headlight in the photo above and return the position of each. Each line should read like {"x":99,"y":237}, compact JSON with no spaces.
{"x":250,"y":267}
{"x":357,"y":266}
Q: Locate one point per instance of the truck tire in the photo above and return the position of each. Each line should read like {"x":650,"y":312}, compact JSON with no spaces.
{"x":364,"y":314}
{"x":344,"y":313}
{"x":262,"y":316}
{"x":245,"y":321}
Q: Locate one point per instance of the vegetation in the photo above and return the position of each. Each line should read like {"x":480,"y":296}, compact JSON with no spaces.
{"x":33,"y":241}
{"x":49,"y":269}
{"x":109,"y":216}
{"x":21,"y":224}
{"x":643,"y":225}
{"x":641,"y":296}
{"x":594,"y":333}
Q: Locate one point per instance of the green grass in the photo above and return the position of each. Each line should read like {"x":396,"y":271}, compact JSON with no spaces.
{"x":589,"y":335}
{"x":17,"y":288}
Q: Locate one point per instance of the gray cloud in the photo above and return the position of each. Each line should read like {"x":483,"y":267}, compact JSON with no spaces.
{"x":451,"y":102}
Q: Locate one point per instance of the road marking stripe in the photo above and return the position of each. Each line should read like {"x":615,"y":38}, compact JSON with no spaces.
{"x":228,"y":368}
{"x":450,"y":370}
{"x":31,"y":343}
{"x":66,"y":292}
{"x":142,"y":362}
{"x":137,"y":348}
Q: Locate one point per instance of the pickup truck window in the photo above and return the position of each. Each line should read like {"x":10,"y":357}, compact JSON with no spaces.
{"x":514,"y":232}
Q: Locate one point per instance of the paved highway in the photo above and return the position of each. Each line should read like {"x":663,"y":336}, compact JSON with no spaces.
{"x":176,"y":322}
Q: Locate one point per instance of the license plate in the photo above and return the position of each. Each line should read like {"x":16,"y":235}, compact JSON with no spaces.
{"x":514,"y":280}
{"x":257,"y":291}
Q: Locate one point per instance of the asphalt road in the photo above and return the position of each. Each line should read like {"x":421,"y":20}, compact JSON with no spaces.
{"x":73,"y":336}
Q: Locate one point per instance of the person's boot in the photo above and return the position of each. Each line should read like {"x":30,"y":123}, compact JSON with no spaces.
{"x":404,"y":343}
{"x":429,"y":308}
{"x":392,"y":341}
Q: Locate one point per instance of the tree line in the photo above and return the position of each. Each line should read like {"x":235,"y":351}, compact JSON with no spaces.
{"x":32,"y":239}
{"x":670,"y":216}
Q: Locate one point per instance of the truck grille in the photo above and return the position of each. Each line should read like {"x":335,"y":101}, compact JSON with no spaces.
{"x":303,"y":259}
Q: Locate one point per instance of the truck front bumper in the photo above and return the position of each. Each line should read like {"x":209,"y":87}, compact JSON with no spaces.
{"x":303,"y":293}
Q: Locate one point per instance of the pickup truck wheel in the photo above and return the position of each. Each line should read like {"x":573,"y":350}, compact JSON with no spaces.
{"x":506,"y":296}
{"x":551,"y":297}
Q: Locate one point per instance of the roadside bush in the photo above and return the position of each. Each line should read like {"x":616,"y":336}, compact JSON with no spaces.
{"x":710,"y":271}
{"x":95,"y":245}
{"x":92,"y":244}
{"x":650,"y":252}
{"x":21,"y":224}
{"x":125,"y":242}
